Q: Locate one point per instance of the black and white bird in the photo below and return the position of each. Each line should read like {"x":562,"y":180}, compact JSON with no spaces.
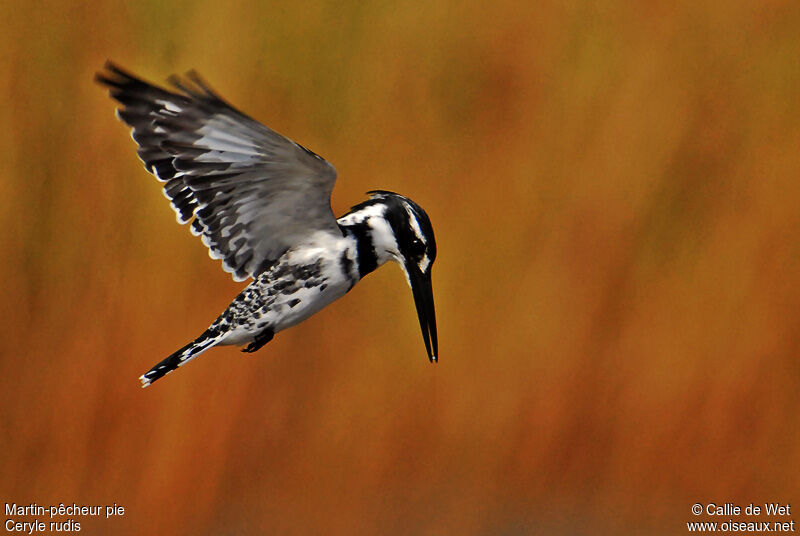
{"x":261,"y":203}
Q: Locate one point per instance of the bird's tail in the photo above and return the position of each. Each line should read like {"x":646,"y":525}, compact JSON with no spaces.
{"x":179,"y":358}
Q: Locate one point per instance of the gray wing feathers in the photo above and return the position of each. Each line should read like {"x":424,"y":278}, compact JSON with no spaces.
{"x":249,"y":192}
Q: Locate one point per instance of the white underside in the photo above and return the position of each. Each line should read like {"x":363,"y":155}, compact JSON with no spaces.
{"x":282,"y":315}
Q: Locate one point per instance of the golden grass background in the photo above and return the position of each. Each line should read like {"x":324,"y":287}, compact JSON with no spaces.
{"x":615,"y":189}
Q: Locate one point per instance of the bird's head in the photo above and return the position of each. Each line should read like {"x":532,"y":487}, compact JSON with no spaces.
{"x":401,"y":231}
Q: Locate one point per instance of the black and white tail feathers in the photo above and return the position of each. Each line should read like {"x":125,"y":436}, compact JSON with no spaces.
{"x":181,"y":357}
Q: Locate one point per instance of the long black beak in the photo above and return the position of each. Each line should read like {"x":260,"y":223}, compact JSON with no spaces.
{"x":423,"y":298}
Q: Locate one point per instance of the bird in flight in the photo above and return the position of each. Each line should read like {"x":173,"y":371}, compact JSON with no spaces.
{"x":261,"y":203}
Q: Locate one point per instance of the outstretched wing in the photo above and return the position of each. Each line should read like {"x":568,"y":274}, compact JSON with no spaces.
{"x":249,"y":192}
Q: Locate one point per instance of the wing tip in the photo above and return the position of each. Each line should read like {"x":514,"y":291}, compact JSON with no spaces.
{"x":114,"y":76}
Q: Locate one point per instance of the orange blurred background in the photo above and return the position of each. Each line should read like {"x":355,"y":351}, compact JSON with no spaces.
{"x":615,"y":190}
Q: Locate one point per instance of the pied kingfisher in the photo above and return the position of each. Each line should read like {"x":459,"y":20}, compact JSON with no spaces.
{"x":261,"y":203}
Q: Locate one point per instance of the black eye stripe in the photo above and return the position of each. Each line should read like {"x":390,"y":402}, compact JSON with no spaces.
{"x":403,"y":215}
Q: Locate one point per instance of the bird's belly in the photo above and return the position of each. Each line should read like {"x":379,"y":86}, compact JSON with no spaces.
{"x":262,"y":308}
{"x":290,"y":310}
{"x":299,"y":285}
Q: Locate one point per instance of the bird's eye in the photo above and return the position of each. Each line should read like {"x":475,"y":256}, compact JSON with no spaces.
{"x":417,"y":248}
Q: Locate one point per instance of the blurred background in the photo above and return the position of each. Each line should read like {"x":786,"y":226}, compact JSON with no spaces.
{"x":615,"y":192}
